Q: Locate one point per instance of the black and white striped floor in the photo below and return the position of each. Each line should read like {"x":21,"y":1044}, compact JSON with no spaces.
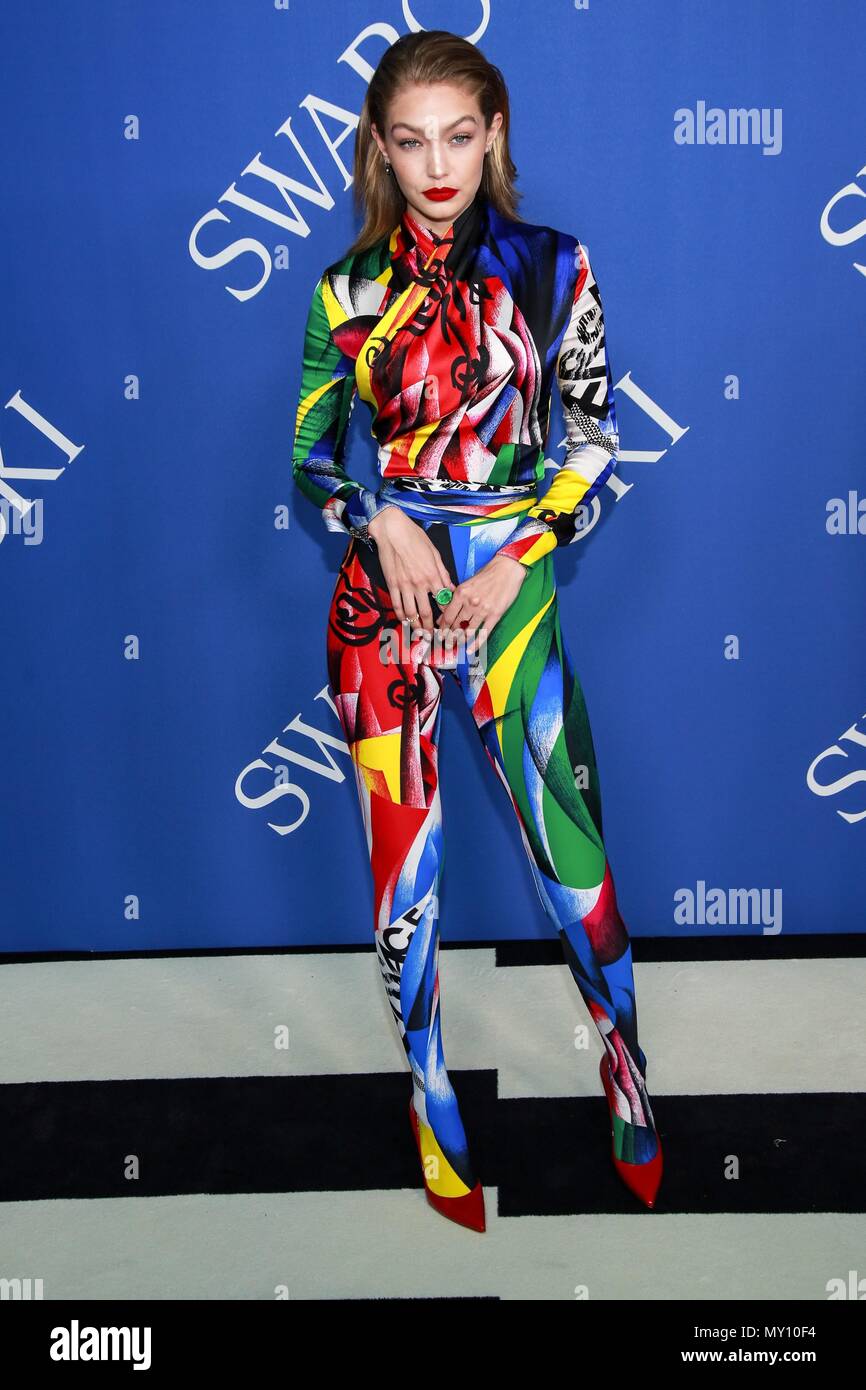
{"x":235,"y":1126}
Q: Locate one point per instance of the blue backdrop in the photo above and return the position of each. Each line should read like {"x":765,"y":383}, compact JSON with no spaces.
{"x":175,"y":179}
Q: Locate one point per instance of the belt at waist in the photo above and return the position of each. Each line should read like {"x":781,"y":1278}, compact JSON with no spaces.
{"x":432,"y":497}
{"x":446,"y":485}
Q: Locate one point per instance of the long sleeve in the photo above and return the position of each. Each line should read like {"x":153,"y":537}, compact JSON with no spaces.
{"x":585,"y":385}
{"x":327,"y":395}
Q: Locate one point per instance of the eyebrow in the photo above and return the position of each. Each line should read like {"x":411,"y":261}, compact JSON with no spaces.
{"x":419,"y":130}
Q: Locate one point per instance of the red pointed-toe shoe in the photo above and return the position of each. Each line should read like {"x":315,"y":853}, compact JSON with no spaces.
{"x":642,"y":1178}
{"x":448,"y":1194}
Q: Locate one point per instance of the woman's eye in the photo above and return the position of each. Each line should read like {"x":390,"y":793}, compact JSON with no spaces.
{"x":463,"y":136}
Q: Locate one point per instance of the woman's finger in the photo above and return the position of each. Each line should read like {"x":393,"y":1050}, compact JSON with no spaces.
{"x":421,"y":598}
{"x":411,"y":594}
{"x":401,"y":600}
{"x":480,"y":631}
{"x":451,"y":611}
{"x":467,"y":605}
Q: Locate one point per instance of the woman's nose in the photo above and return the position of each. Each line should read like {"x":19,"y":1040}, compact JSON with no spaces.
{"x":435,"y":161}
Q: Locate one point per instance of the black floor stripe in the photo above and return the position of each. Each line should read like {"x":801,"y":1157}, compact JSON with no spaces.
{"x":797,"y":1153}
{"x":697,"y":948}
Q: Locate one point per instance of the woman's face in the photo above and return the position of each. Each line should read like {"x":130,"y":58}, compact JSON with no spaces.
{"x":435,"y":140}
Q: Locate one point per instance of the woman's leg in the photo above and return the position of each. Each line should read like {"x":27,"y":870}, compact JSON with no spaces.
{"x":530,"y":712}
{"x":390,"y":711}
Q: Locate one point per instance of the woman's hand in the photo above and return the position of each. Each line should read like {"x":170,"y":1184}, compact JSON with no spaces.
{"x":411,"y":564}
{"x":480,"y":602}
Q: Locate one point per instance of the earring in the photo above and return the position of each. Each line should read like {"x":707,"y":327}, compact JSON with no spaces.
{"x":387,"y":167}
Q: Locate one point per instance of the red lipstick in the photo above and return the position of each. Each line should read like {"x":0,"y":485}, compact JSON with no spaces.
{"x":440,"y":195}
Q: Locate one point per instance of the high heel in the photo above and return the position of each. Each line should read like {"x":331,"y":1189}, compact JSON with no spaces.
{"x":643,"y":1179}
{"x":466,"y":1207}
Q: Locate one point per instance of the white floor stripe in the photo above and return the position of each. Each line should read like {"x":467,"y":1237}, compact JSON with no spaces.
{"x":706,"y":1027}
{"x":381,"y":1244}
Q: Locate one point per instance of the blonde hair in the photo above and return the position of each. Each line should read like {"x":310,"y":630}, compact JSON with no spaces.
{"x":434,"y":55}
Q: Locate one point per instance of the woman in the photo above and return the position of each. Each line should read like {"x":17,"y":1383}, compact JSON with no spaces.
{"x":450,"y":316}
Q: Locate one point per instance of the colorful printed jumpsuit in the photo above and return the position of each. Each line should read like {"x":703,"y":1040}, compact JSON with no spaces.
{"x":453,"y":342}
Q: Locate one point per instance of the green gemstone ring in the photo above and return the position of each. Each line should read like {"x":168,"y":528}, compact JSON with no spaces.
{"x":444,"y":596}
